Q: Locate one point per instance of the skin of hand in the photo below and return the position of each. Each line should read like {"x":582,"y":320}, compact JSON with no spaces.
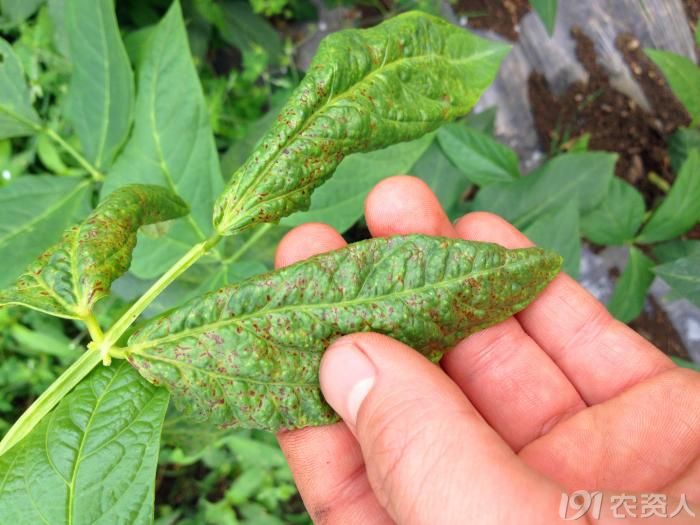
{"x":559,"y":398}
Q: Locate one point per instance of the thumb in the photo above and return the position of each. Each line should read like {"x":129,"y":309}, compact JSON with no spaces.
{"x":428,"y":453}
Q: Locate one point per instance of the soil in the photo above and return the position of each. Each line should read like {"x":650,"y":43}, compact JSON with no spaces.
{"x":501,"y":16}
{"x":656,"y":327}
{"x":613,"y":120}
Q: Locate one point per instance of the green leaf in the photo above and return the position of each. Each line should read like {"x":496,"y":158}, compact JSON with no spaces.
{"x":171,"y":145}
{"x":93,"y":459}
{"x":479,"y":157}
{"x":682,"y":362}
{"x":17,"y":11}
{"x":101,"y":94}
{"x":679,"y":211}
{"x":17,"y":116}
{"x":34,"y":211}
{"x":341,"y":202}
{"x":683,"y":276}
{"x":627,"y":300}
{"x":437,"y":171}
{"x":569,"y":178}
{"x":683,"y":76}
{"x":547,"y":11}
{"x":558,"y":230}
{"x":677,"y":249}
{"x":71,"y":276}
{"x":249,"y":354}
{"x":616,"y":220}
{"x":680,"y":144}
{"x":364,"y":90}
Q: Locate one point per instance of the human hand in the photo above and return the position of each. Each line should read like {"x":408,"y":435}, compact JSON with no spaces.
{"x":560,"y":398}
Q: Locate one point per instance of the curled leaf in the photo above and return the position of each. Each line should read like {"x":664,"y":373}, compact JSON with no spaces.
{"x":364,"y":90}
{"x":72,"y":275}
{"x":249,"y":354}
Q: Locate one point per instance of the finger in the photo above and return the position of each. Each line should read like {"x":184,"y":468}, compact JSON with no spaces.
{"x":600,"y":356}
{"x":405,"y":204}
{"x":423,"y":442}
{"x":326,"y":461}
{"x":642,"y":440}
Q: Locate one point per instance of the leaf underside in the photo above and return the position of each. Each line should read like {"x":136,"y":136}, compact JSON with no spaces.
{"x":248,"y":355}
{"x":364,"y":90}
{"x":72,"y":275}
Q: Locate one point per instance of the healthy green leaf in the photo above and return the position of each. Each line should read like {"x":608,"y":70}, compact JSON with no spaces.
{"x":101,"y":95}
{"x":93,"y":459}
{"x":364,"y":90}
{"x":481,"y":158}
{"x":547,"y":11}
{"x":680,"y":144}
{"x":683,"y":276}
{"x":437,"y":171}
{"x":249,"y":354}
{"x":71,"y":276}
{"x":679,"y":211}
{"x":341,"y":202}
{"x":677,"y":249}
{"x":17,"y":11}
{"x":17,"y":116}
{"x":569,"y":178}
{"x":34,"y":211}
{"x":171,"y":144}
{"x":558,"y":230}
{"x":683,"y":76}
{"x":617,"y":218}
{"x":628,"y":298}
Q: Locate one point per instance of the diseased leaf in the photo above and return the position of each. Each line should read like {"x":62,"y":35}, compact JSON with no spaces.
{"x":34,"y":211}
{"x":683,"y":276}
{"x":341,"y":202}
{"x":558,"y":230}
{"x":569,"y":178}
{"x":171,"y":145}
{"x":364,"y":90}
{"x":101,"y":95}
{"x":479,"y":157}
{"x":617,"y":218}
{"x":679,"y":211}
{"x":17,"y":116}
{"x":628,"y":298}
{"x":249,"y":354}
{"x":93,"y":459}
{"x":547,"y":11}
{"x":683,"y":76}
{"x":71,"y":276}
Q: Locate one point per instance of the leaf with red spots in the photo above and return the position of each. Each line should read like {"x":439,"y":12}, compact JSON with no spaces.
{"x":72,"y":275}
{"x":248,"y":355}
{"x":364,"y":90}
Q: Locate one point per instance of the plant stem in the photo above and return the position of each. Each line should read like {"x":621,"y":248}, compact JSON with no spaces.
{"x":93,"y":327}
{"x":126,"y":320}
{"x":97,"y":175}
{"x":50,"y":398}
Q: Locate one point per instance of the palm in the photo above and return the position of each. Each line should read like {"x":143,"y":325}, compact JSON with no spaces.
{"x":576,"y":395}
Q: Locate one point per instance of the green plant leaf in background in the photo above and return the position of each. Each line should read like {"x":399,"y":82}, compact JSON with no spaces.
{"x":16,"y":11}
{"x":683,"y":76}
{"x":574,"y":177}
{"x":482,"y":159}
{"x":34,"y":211}
{"x":558,"y":230}
{"x":630,"y":292}
{"x":249,"y":354}
{"x":101,"y":95}
{"x":616,"y":220}
{"x":71,"y":276}
{"x":683,"y":276}
{"x":341,"y":201}
{"x":667,"y":252}
{"x":680,"y":210}
{"x":171,"y":145}
{"x":401,"y":80}
{"x":547,"y":11}
{"x":93,"y":459}
{"x":680,"y":144}
{"x":17,"y":116}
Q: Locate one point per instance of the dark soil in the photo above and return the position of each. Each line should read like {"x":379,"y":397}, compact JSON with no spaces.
{"x":501,"y":16}
{"x":656,"y":327}
{"x":614,"y":121}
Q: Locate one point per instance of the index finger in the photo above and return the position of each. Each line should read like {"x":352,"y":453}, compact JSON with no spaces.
{"x":600,"y":356}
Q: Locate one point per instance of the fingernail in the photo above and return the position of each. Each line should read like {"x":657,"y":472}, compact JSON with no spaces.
{"x":347,"y":376}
